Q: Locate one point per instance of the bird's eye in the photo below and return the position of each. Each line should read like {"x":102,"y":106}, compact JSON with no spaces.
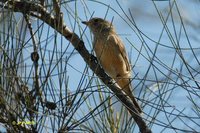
{"x":96,"y":20}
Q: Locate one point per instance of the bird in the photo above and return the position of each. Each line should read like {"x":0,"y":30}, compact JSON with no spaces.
{"x":110,"y":52}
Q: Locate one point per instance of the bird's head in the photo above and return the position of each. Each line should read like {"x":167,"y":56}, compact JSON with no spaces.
{"x":99,"y":25}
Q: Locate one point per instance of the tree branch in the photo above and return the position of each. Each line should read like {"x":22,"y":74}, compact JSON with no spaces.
{"x":40,"y":12}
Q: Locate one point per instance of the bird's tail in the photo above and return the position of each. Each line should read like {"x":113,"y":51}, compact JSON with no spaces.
{"x":125,"y":84}
{"x":135,"y":102}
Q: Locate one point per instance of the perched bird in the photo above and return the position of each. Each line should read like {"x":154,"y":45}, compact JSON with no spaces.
{"x":111,"y":54}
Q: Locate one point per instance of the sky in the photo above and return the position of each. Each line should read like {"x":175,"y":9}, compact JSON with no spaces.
{"x":148,"y":25}
{"x":150,"y":50}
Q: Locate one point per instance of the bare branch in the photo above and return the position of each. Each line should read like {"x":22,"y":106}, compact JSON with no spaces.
{"x":40,"y":12}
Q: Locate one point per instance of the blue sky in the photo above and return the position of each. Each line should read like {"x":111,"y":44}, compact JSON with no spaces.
{"x":141,"y":31}
{"x":150,"y":24}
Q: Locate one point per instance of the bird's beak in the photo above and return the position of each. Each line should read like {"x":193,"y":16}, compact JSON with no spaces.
{"x":85,"y":22}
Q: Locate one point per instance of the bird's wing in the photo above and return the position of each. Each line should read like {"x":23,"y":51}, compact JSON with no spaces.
{"x":120,"y":47}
